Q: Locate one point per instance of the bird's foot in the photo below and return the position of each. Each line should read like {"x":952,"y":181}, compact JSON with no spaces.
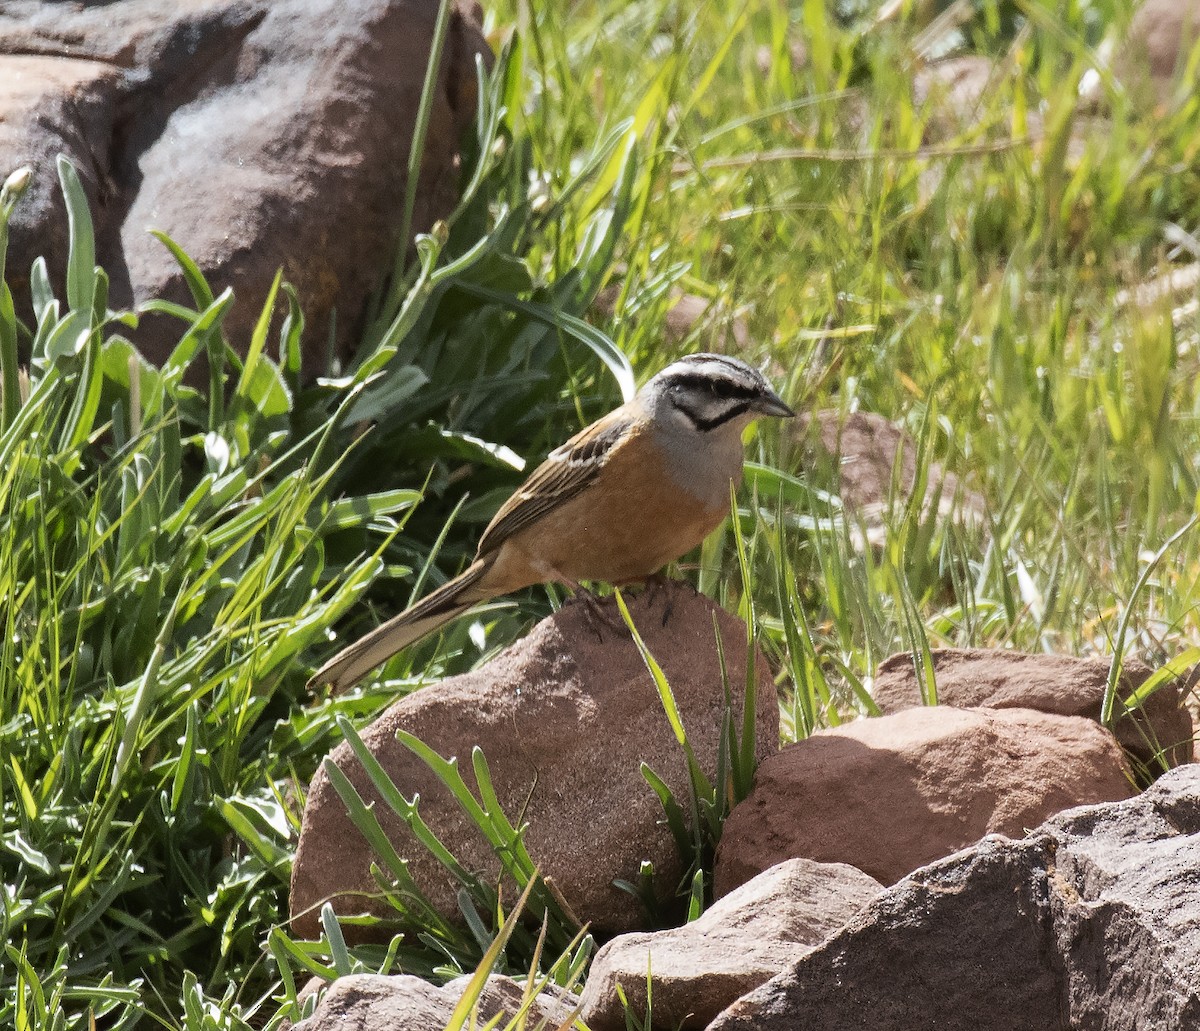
{"x":599,"y":615}
{"x":657,"y":584}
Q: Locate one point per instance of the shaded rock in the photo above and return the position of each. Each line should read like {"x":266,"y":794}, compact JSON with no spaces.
{"x":1089,"y":924}
{"x":960,"y":944}
{"x":998,"y":679}
{"x":743,"y":940}
{"x":871,"y":463}
{"x":890,"y":794}
{"x":564,"y":717}
{"x":401,"y":1002}
{"x":162,"y":110}
{"x":1127,"y":922}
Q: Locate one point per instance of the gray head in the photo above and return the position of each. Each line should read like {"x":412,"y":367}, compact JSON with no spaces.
{"x":710,"y":393}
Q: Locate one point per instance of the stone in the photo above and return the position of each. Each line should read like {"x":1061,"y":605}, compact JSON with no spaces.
{"x":49,"y":106}
{"x":1127,"y":908}
{"x":565,"y":717}
{"x":1155,"y":52}
{"x":1000,"y":679}
{"x":161,"y":108}
{"x":959,"y":945}
{"x":1090,"y":923}
{"x":401,"y":1002}
{"x":953,"y":93}
{"x":740,"y":942}
{"x":871,"y":463}
{"x":504,"y":995}
{"x":722,"y":329}
{"x":894,"y":793}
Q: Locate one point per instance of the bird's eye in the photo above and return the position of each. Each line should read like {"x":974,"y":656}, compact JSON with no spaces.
{"x":722,"y":389}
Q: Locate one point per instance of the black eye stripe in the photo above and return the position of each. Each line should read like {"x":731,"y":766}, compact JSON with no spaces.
{"x":721,"y":387}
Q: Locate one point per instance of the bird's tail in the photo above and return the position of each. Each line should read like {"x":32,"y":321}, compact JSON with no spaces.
{"x":452,"y":599}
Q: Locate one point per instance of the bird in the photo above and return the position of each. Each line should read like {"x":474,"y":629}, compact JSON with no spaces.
{"x":635,"y":490}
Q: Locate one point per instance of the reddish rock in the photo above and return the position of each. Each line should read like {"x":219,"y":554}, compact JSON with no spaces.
{"x":998,"y":679}
{"x":565,"y":717}
{"x":1157,"y":46}
{"x":687,"y":313}
{"x":890,"y":794}
{"x":49,"y":106}
{"x":163,"y":110}
{"x":872,"y":465}
{"x":962,"y":945}
{"x":742,"y":941}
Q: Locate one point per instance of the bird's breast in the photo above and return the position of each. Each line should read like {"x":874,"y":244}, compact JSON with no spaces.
{"x":646,"y":507}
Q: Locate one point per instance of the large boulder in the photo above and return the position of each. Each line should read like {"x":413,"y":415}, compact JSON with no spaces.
{"x":258,"y":133}
{"x":565,"y":718}
{"x":891,"y":794}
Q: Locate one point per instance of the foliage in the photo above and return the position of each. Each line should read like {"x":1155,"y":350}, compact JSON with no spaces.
{"x":169,"y":555}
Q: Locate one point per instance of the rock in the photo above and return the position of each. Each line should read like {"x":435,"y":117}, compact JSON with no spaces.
{"x":999,"y":679}
{"x":401,"y":1002}
{"x":1088,"y":924}
{"x":742,"y":941}
{"x":959,"y":945}
{"x":504,"y":995}
{"x":161,"y":110}
{"x":890,"y":794}
{"x":687,"y":313}
{"x":954,"y":91}
{"x":1155,"y":51}
{"x":1125,"y":912}
{"x":50,"y":106}
{"x":857,"y":453}
{"x":564,"y":718}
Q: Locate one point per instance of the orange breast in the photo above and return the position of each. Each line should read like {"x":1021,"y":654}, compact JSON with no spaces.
{"x":629,"y":523}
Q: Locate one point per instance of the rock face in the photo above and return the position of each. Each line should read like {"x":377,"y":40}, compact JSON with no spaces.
{"x":257,"y":134}
{"x":1088,"y":924}
{"x":742,"y":941}
{"x":405,"y":1003}
{"x":891,"y":794}
{"x":872,"y":464}
{"x":564,"y":717}
{"x":996,"y":679}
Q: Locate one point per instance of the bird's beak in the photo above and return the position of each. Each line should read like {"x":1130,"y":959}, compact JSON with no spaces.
{"x":772,"y":404}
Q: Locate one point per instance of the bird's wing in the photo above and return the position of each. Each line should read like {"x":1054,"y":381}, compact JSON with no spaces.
{"x":565,"y":472}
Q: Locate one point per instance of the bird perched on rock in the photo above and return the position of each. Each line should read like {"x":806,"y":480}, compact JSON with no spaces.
{"x":634,"y":490}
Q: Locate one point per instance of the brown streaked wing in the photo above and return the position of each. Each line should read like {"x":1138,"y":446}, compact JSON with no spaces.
{"x":565,"y":472}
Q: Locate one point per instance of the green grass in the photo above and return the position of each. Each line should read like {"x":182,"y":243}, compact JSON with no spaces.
{"x":172,"y":559}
